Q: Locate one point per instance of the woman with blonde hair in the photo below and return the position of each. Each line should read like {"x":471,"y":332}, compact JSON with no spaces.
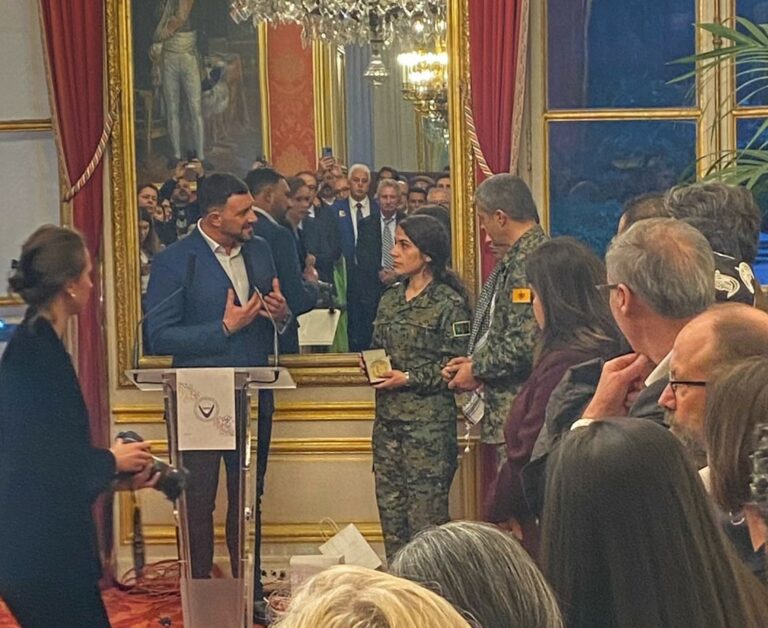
{"x":354,"y":597}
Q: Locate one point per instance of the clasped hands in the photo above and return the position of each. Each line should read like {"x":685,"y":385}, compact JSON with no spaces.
{"x":272,"y":306}
{"x":457,"y":373}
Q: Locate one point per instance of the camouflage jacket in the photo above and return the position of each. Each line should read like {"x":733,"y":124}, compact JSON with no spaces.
{"x":505,"y":360}
{"x":420,"y":336}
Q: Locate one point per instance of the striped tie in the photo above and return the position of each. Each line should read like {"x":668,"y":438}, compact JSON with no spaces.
{"x":387,"y":242}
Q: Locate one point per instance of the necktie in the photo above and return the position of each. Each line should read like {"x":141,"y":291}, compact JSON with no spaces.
{"x":387,"y":242}
{"x":359,"y":213}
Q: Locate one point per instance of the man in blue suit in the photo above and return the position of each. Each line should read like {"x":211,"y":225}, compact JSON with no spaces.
{"x":349,"y":213}
{"x":218,"y":319}
{"x":270,"y":195}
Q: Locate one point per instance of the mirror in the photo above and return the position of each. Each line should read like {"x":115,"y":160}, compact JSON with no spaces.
{"x":232,"y":126}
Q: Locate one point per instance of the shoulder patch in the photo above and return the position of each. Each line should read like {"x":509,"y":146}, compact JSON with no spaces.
{"x":461,"y":328}
{"x":521,"y":295}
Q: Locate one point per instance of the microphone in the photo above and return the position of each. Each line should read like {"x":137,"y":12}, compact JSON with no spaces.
{"x":275,"y":348}
{"x":188,"y":278}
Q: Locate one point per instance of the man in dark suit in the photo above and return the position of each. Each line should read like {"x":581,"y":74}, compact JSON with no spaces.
{"x":376,"y":237}
{"x":321,"y":232}
{"x":270,"y":195}
{"x":349,"y":213}
{"x":218,"y":319}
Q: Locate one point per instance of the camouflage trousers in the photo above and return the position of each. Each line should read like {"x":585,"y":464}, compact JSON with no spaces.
{"x":414,"y":463}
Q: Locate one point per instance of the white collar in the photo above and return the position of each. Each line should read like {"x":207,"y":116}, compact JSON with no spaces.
{"x":267,"y":215}
{"x":215,"y":246}
{"x":661,"y":371}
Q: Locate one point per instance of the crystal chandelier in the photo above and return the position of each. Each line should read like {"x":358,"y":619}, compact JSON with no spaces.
{"x":412,"y":23}
{"x":425,"y":80}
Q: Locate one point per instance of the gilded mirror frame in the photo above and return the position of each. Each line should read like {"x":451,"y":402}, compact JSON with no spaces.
{"x":308,"y":370}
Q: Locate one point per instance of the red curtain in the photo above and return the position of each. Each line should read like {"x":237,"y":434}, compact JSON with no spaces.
{"x":498,"y":38}
{"x":73,"y":37}
{"x":498,"y":32}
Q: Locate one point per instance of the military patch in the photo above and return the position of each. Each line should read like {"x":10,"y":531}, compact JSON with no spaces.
{"x":521,"y":295}
{"x":461,"y":328}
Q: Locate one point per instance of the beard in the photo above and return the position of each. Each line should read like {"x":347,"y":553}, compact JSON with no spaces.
{"x":690,"y":441}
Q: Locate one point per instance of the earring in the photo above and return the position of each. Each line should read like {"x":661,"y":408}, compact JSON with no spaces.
{"x":72,"y":294}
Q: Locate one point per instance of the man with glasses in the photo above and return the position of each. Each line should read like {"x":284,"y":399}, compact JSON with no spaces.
{"x":724,"y":333}
{"x":660,"y":276}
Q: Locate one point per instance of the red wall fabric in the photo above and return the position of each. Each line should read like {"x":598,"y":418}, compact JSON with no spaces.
{"x":291,"y":100}
{"x":73,"y":34}
{"x":497,"y":53}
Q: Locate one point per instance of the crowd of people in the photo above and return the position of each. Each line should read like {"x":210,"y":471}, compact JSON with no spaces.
{"x":336,"y":218}
{"x":622,"y":402}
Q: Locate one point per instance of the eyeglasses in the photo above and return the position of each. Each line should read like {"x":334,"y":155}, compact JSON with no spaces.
{"x":674,"y":384}
{"x":605,"y":287}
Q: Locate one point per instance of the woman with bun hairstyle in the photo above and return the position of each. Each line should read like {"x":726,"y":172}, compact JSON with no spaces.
{"x":50,"y":473}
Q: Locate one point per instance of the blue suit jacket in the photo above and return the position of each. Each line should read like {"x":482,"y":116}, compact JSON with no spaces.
{"x":301,"y":295}
{"x":346,"y":231}
{"x":189,"y":327}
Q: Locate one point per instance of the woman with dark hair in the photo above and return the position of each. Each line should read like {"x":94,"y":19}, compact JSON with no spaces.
{"x":630,"y":539}
{"x":421,"y":323}
{"x":575,"y":326}
{"x":49,"y":472}
{"x":149,"y":245}
{"x":737,"y":401}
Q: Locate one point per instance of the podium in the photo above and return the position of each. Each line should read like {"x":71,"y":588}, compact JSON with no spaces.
{"x":221,"y":602}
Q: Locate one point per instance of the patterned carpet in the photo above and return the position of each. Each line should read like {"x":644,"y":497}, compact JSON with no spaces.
{"x":126,"y":611}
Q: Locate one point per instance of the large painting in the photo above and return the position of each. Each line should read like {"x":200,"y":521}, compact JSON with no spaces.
{"x":196,"y":89}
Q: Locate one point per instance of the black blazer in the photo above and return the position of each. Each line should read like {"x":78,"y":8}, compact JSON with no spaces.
{"x":49,"y":472}
{"x":321,"y":238}
{"x":301,"y":295}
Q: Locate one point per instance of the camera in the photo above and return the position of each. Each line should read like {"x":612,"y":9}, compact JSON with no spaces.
{"x":173,"y":480}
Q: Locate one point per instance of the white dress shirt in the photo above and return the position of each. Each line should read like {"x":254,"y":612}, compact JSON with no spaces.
{"x":232,"y":263}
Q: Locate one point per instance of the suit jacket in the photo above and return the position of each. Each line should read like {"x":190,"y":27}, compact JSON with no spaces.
{"x":49,"y":472}
{"x":301,"y":295}
{"x":189,"y":327}
{"x":321,"y":237}
{"x":343,"y":210}
{"x":369,"y":287}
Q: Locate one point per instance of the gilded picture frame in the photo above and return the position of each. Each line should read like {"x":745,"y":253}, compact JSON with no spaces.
{"x":308,"y":370}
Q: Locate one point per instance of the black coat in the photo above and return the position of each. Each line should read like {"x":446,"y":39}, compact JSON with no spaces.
{"x":49,"y":472}
{"x":321,"y":238}
{"x":301,"y":295}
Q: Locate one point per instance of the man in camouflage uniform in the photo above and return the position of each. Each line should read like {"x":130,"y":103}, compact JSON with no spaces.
{"x":503,"y":329}
{"x":414,"y":436}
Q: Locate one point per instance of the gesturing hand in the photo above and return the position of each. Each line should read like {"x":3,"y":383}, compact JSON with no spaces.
{"x":238,"y":316}
{"x":275,"y":303}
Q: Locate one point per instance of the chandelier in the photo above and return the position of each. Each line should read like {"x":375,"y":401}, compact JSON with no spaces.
{"x":425,"y":79}
{"x":414,"y":24}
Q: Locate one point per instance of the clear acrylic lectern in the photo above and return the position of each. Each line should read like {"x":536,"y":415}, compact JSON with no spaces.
{"x":221,"y":602}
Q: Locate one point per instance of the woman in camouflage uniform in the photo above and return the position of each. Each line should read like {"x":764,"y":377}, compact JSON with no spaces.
{"x":422,"y":322}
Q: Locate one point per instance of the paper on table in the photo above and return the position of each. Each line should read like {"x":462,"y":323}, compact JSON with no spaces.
{"x":351,"y":544}
{"x":318,"y":327}
{"x":205,"y":401}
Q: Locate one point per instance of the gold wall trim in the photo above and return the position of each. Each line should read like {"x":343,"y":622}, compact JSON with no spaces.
{"x":621,"y":114}
{"x":8,"y":300}
{"x":465,"y":253}
{"x":19,"y":126}
{"x":294,"y":411}
{"x":303,"y":531}
{"x":262,"y":32}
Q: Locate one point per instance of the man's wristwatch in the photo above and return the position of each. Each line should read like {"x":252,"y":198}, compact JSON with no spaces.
{"x":407,"y":378}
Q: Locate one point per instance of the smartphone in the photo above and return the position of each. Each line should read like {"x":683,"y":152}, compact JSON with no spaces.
{"x":327,"y":152}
